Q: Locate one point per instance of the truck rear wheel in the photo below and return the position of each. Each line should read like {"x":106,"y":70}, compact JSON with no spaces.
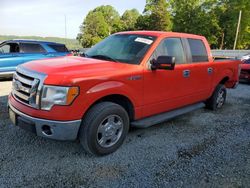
{"x":104,"y":128}
{"x":217,"y":100}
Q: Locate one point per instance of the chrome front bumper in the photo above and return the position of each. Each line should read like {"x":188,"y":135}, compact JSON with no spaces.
{"x":58,"y":130}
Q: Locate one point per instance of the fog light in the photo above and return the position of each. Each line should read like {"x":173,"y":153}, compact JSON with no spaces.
{"x":46,"y":130}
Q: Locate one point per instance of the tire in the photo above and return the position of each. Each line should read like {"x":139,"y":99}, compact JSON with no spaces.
{"x":217,"y":100}
{"x":104,"y":128}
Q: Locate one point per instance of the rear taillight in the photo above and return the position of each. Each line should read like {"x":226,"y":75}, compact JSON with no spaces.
{"x":239,"y":69}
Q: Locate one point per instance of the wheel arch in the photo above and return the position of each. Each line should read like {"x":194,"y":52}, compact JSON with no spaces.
{"x":224,"y":80}
{"x":119,"y":99}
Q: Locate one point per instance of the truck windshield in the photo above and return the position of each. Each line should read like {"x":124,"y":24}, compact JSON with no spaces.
{"x":125,"y":48}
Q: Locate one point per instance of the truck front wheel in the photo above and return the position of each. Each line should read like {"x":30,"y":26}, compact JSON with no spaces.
{"x":217,"y":100}
{"x":104,"y":128}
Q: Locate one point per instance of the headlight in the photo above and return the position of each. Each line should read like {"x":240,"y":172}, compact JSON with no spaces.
{"x":55,"y":95}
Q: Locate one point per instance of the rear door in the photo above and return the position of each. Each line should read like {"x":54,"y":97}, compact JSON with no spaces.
{"x":201,"y":70}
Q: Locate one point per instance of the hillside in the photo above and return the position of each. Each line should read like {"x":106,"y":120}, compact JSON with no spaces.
{"x":70,"y":43}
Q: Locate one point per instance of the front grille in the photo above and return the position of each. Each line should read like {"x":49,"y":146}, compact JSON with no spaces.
{"x":25,"y":87}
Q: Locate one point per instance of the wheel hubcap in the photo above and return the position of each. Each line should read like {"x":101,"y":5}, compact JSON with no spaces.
{"x":220,"y":99}
{"x":109,"y":131}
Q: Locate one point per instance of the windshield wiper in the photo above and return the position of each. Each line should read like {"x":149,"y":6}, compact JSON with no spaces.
{"x":104,"y":57}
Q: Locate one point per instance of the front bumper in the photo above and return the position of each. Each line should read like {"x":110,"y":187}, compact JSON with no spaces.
{"x":58,"y":130}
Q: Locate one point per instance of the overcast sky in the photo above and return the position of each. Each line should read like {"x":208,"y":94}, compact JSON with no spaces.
{"x":46,"y":17}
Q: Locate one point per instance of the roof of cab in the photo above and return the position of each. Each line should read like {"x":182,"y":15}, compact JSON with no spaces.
{"x":162,"y":33}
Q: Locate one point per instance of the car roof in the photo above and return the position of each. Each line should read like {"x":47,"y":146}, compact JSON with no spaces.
{"x":31,"y":41}
{"x":161,"y":33}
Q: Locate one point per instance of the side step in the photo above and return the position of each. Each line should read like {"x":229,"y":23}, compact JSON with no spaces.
{"x":152,"y":120}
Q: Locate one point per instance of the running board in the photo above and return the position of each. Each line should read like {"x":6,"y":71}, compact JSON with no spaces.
{"x":149,"y":121}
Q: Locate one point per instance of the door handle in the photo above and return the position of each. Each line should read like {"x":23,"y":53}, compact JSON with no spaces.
{"x":186,"y":73}
{"x":210,"y":70}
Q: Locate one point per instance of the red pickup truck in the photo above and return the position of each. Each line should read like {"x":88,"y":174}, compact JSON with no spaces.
{"x":136,"y":79}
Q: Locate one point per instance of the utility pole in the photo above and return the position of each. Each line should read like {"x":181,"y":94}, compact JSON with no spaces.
{"x":237,"y":32}
{"x":65,"y":29}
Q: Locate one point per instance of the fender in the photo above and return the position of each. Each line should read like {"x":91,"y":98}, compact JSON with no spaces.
{"x":107,"y":88}
{"x":226,"y":73}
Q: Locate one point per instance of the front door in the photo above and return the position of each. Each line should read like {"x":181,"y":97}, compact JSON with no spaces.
{"x":165,"y":90}
{"x":9,"y":57}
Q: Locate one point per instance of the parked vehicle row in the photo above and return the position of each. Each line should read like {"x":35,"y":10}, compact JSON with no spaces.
{"x":16,"y":52}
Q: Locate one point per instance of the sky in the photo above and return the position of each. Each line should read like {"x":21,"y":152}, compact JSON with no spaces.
{"x":46,"y":18}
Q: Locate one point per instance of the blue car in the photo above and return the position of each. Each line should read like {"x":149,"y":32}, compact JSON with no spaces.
{"x":15,"y":52}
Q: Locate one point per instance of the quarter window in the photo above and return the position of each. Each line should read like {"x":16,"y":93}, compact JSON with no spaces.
{"x":198,"y":50}
{"x":58,"y":48}
{"x":171,"y":47}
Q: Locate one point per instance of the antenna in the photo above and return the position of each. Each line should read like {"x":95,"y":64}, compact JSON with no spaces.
{"x":237,"y":32}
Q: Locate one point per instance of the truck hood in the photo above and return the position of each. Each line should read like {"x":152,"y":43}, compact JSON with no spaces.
{"x":75,"y":69}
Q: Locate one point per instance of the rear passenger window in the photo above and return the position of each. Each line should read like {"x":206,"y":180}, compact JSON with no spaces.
{"x":31,"y":48}
{"x":58,"y":48}
{"x":198,"y":50}
{"x":171,"y":47}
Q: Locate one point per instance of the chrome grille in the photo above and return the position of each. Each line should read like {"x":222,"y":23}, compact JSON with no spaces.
{"x":26,"y":86}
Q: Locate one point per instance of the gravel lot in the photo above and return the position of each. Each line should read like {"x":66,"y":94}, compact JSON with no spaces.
{"x":199,"y":149}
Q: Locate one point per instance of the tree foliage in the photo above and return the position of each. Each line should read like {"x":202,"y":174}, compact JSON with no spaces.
{"x":227,"y":12}
{"x":215,"y":19}
{"x":129,"y":19}
{"x":111,"y":16}
{"x":98,"y":24}
{"x":156,"y":16}
{"x":197,"y":17}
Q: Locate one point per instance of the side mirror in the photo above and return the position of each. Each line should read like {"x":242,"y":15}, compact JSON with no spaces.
{"x":163,"y":62}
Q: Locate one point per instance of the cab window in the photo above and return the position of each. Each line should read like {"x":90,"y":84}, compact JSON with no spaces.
{"x":58,"y":48}
{"x":171,"y":47}
{"x":31,"y":48}
{"x":198,"y":50}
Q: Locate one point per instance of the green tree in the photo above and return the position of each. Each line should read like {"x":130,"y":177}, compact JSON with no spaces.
{"x":129,"y":19}
{"x":98,"y":24}
{"x":228,"y":12}
{"x":111,"y":17}
{"x":93,"y":30}
{"x":215,"y":19}
{"x":156,"y":16}
{"x":197,"y":17}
